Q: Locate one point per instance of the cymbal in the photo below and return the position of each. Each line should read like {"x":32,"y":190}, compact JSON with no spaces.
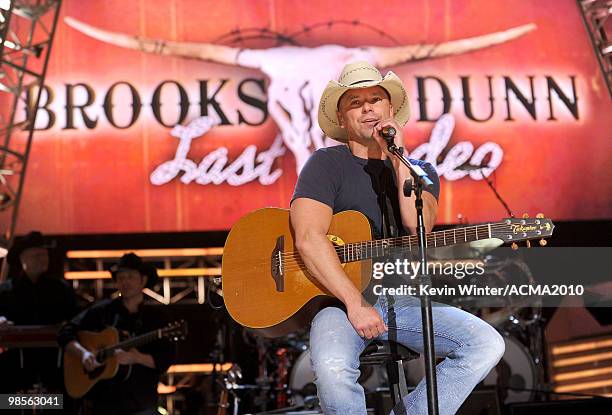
{"x":469,"y":250}
{"x":486,"y":245}
{"x":452,"y":252}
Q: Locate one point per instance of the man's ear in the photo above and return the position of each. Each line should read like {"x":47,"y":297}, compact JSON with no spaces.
{"x":391,"y":110}
{"x":340,"y":119}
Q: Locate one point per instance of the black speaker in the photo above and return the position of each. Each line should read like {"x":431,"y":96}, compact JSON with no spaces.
{"x":482,"y":401}
{"x":602,"y":312}
{"x":574,"y":406}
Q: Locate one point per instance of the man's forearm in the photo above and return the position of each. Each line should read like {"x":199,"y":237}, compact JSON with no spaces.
{"x":146,"y":360}
{"x":75,"y":348}
{"x":322,"y":262}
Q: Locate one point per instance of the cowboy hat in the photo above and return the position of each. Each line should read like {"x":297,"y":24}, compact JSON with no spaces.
{"x":33,"y":239}
{"x":355,"y":76}
{"x":132,"y":261}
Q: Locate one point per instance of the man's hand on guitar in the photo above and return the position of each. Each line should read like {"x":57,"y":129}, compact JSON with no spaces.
{"x":134,"y":357}
{"x":89,"y":361}
{"x":366,"y":320}
{"x":5,"y":323}
{"x":130,"y":357}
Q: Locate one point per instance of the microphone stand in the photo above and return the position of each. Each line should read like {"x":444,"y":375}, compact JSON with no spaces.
{"x":417,"y":184}
{"x":497,"y":195}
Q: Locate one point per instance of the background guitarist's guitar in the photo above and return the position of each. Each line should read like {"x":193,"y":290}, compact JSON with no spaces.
{"x":104,"y":344}
{"x":266,"y":286}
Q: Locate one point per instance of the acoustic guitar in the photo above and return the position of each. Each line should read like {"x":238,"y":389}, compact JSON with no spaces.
{"x":267,"y":287}
{"x":104,"y":344}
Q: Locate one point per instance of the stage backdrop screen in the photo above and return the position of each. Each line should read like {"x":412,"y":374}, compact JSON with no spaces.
{"x":184,"y":115}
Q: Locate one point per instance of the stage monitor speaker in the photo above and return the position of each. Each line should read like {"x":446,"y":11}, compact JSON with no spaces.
{"x":482,"y":401}
{"x":574,"y":406}
{"x":602,"y":314}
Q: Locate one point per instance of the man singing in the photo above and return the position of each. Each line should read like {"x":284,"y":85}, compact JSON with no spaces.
{"x":361,"y":175}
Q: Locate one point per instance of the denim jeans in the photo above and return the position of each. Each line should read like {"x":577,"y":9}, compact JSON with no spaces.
{"x":470,"y":348}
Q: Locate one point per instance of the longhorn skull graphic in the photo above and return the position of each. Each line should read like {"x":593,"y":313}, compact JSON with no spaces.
{"x":295,"y":83}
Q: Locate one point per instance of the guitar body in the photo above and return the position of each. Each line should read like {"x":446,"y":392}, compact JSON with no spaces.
{"x":78,"y":381}
{"x":276,"y":307}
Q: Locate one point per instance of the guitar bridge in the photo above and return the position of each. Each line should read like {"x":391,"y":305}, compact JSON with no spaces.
{"x":277,"y":265}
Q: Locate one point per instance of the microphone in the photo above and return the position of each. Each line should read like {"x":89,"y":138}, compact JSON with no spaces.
{"x":388,"y":133}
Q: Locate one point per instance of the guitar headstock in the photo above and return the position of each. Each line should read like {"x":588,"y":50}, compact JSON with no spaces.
{"x":513,"y":230}
{"x":175,"y":331}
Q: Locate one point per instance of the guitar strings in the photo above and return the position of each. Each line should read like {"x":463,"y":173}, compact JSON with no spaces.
{"x":293,"y":260}
{"x":397,"y":242}
{"x":295,"y":264}
{"x":401,"y":240}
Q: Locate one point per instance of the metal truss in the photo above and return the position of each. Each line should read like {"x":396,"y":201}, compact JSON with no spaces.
{"x":185,"y":273}
{"x":27,"y":29}
{"x":596,"y":16}
{"x":183,"y":376}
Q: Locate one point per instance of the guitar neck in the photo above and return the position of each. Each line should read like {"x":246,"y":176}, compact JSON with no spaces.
{"x":378,"y":248}
{"x":130,"y":343}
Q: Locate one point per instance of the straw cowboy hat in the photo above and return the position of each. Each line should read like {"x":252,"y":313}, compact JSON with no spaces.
{"x":354,"y":76}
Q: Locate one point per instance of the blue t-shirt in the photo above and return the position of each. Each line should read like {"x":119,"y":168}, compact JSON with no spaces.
{"x":337,"y":178}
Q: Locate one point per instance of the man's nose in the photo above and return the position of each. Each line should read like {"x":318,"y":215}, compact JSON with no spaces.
{"x":366,"y":107}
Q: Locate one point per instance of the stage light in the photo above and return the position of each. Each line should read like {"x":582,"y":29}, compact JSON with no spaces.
{"x":9,"y":44}
{"x":200,"y":367}
{"x":7,"y":196}
{"x":3,"y":246}
{"x":35,"y":50}
{"x":163,"y":273}
{"x":6,"y":200}
{"x":33,"y":10}
{"x":149,"y":253}
{"x":4,"y":88}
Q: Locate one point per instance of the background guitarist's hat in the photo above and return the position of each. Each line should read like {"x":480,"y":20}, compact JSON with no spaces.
{"x":33,"y":239}
{"x":132,"y":261}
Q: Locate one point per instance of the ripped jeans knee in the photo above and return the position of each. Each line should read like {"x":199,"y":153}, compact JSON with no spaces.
{"x":335,"y":349}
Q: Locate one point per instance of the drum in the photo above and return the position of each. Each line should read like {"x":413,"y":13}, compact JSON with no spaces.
{"x":301,"y":380}
{"x":516,"y":370}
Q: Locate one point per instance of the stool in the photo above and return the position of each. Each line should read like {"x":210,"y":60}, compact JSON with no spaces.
{"x":393,"y":355}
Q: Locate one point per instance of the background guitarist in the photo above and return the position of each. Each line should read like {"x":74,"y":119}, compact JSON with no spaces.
{"x":138,"y":393}
{"x":35,"y":294}
{"x":361,"y":175}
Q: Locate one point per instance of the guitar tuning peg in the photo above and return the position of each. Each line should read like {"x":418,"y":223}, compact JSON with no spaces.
{"x":540,"y":215}
{"x":528,"y":243}
{"x":525,"y":215}
{"x":514,"y":246}
{"x":543,"y":242}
